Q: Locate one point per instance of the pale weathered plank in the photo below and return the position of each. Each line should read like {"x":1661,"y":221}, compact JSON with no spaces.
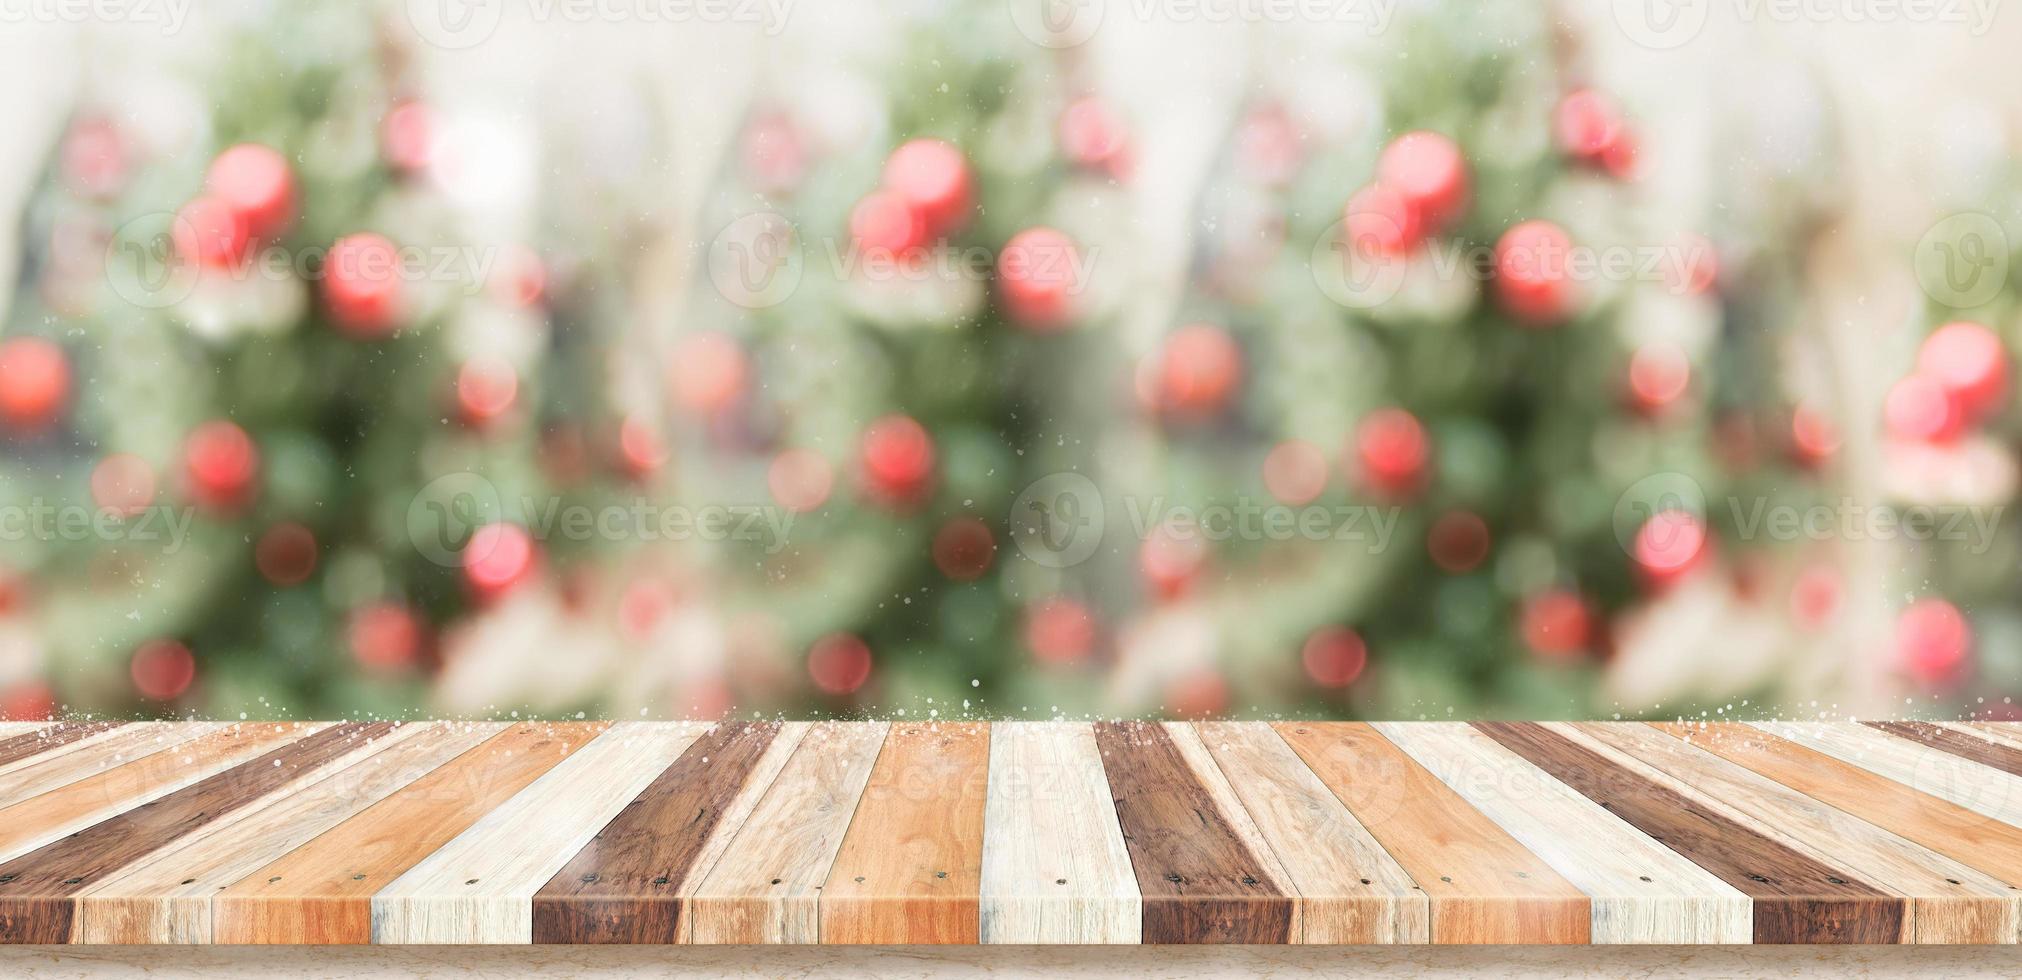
{"x":321,"y":892}
{"x":1642,"y":892}
{"x":910,"y":866}
{"x":1350,"y":890}
{"x":167,"y":897}
{"x":1949,"y":902}
{"x":1054,"y":865}
{"x":36,"y":775}
{"x":766,"y":885}
{"x":1984,"y":790}
{"x":479,"y":887}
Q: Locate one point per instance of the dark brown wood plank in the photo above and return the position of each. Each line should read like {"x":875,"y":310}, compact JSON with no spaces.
{"x":38,"y":889}
{"x":1967,"y":746}
{"x":1200,"y":881}
{"x":625,"y":886}
{"x":21,"y":746}
{"x":1796,"y":899}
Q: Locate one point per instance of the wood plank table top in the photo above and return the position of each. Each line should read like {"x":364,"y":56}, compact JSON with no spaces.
{"x":1010,"y":832}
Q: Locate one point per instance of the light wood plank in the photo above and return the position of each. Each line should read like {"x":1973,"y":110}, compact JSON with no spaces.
{"x":910,"y":866}
{"x":39,"y":774}
{"x":50,"y":741}
{"x":40,"y":820}
{"x":1350,"y":890}
{"x":766,"y":886}
{"x":322,"y":891}
{"x":167,"y":898}
{"x":1642,"y":892}
{"x":479,"y":887}
{"x":1989,"y":792}
{"x":1055,"y":869}
{"x":1949,"y":902}
{"x":2004,"y":732}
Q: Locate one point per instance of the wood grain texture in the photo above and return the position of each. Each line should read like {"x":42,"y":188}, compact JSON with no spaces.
{"x":479,"y":887}
{"x":1948,"y":902}
{"x":1203,"y":868}
{"x":1055,"y":869}
{"x":1481,"y":885}
{"x":167,"y":898}
{"x":1965,"y":745}
{"x":1993,"y":794}
{"x":2005,"y":732}
{"x":767,"y":885}
{"x":1642,"y":891}
{"x":910,"y":867}
{"x":15,"y":749}
{"x":1350,"y":891}
{"x":38,"y":774}
{"x":628,"y":883}
{"x":38,"y":889}
{"x":321,"y":892}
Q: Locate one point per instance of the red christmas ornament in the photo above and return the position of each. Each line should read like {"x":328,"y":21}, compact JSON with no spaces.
{"x":839,"y":663}
{"x":885,"y":224}
{"x":1668,"y":545}
{"x":709,"y":372}
{"x":1429,"y":171}
{"x":1202,"y":693}
{"x":162,"y":669}
{"x":1589,"y":126}
{"x":1037,"y":274}
{"x":897,"y":460}
{"x":1392,"y":452}
{"x":1170,"y":561}
{"x":1295,"y":472}
{"x":497,"y":558}
{"x":1919,"y":408}
{"x":1968,"y":361}
{"x":255,"y":182}
{"x":34,"y":383}
{"x":405,"y":136}
{"x":1090,"y":135}
{"x":209,"y":232}
{"x":1334,"y":656}
{"x":362,"y":287}
{"x":95,"y":158}
{"x":964,"y":549}
{"x":934,"y":177}
{"x":641,"y":451}
{"x":1658,"y":375}
{"x":1697,"y":269}
{"x":221,"y":465}
{"x":1815,"y":595}
{"x":122,"y":484}
{"x":800,"y":479}
{"x":1458,"y":541}
{"x":1267,"y":146}
{"x":774,"y":154}
{"x":485,"y":388}
{"x":520,"y":278}
{"x":1557,"y":626}
{"x":1199,"y":370}
{"x":385,"y":636}
{"x":1059,"y":630}
{"x":1812,"y":434}
{"x":31,"y":701}
{"x":1533,"y":275}
{"x":1933,"y":641}
{"x":643,"y":606}
{"x":1379,"y":221}
{"x":286,"y":554}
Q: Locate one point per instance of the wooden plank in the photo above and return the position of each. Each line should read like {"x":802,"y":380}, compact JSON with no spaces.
{"x":1642,"y":892}
{"x":910,"y":866}
{"x":1796,"y":899}
{"x":321,"y":892}
{"x":1989,"y":792}
{"x":16,"y":748}
{"x":628,"y":883}
{"x":1203,"y":868}
{"x":1349,"y":890}
{"x":38,"y":890}
{"x":1974,"y":747}
{"x":767,"y":885}
{"x":1055,"y":869}
{"x":1481,"y":885}
{"x":167,"y":898}
{"x":1948,"y":902}
{"x":479,"y":887}
{"x":2005,"y":732}
{"x":38,"y":774}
